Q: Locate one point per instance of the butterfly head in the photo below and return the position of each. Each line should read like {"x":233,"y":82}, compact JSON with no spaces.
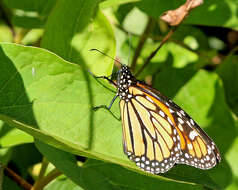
{"x":124,"y":80}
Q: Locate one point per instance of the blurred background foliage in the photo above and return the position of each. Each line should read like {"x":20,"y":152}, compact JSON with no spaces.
{"x":49,"y":134}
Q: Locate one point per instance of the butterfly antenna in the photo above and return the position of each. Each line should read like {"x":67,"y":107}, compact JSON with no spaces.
{"x":106,"y":55}
{"x":129,"y":36}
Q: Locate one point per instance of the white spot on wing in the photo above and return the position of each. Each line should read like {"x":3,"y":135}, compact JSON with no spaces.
{"x":190,"y":146}
{"x":186,"y":155}
{"x":207,"y":157}
{"x":188,"y":123}
{"x":171,"y":111}
{"x":161,"y":113}
{"x":148,"y":98}
{"x":180,"y":120}
{"x":192,"y":135}
{"x":182,"y":112}
{"x":169,"y":120}
{"x":137,"y":159}
{"x":179,"y":114}
{"x":180,"y":127}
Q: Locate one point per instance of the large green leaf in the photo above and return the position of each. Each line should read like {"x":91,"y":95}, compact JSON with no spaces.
{"x":112,"y":176}
{"x":104,"y":175}
{"x":52,"y":100}
{"x":75,"y":27}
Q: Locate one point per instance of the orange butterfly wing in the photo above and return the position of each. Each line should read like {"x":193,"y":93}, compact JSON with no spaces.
{"x":149,"y":138}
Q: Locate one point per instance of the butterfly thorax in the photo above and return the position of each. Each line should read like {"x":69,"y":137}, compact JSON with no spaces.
{"x":124,"y":80}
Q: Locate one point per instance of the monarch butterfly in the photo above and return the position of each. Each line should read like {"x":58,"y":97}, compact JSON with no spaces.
{"x":157,"y":133}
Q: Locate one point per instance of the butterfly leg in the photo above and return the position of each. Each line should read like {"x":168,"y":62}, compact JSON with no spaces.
{"x":113,"y":100}
{"x":108,"y":107}
{"x":104,"y":77}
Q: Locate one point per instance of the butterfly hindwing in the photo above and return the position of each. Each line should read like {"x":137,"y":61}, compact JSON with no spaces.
{"x":197,"y":148}
{"x":149,"y":137}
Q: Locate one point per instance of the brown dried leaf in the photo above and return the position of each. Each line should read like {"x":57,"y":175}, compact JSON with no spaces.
{"x":176,"y":16}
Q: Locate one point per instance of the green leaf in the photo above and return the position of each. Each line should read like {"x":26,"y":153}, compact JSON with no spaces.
{"x":54,"y":104}
{"x":29,"y":13}
{"x":111,"y":176}
{"x":210,"y":13}
{"x":71,"y":32}
{"x":62,"y":183}
{"x":104,"y":175}
{"x":52,"y":100}
{"x":201,"y":95}
{"x":5,"y":33}
{"x":5,"y":156}
{"x":228,"y":71}
{"x":29,"y":156}
{"x":215,"y":13}
{"x":110,"y":3}
{"x":10,"y":184}
{"x":63,"y":161}
{"x":231,"y":157}
{"x":156,"y":7}
{"x":10,"y":136}
{"x":131,"y":24}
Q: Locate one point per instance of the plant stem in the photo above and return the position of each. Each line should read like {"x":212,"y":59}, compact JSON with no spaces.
{"x":18,"y":179}
{"x":20,"y":35}
{"x":156,"y":50}
{"x":40,"y":184}
{"x":1,"y":175}
{"x":143,"y":38}
{"x":44,"y":166}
